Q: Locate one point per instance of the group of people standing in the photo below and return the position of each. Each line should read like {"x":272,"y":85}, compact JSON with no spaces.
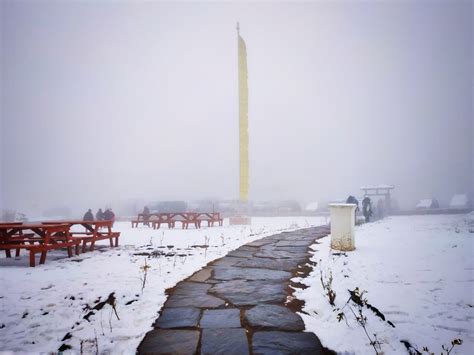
{"x":108,"y":215}
{"x":367,"y":209}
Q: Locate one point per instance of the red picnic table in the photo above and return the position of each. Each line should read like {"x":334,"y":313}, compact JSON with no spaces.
{"x":94,"y":231}
{"x":44,"y":236}
{"x":39,"y":239}
{"x":186,"y":218}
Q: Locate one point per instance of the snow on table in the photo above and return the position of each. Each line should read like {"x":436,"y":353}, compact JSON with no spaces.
{"x":417,"y":270}
{"x":41,"y":306}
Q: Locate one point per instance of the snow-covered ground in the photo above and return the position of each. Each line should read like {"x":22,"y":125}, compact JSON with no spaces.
{"x":41,"y":306}
{"x":418,"y":271}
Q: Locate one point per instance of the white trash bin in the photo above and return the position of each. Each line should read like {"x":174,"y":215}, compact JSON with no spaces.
{"x":342,"y":226}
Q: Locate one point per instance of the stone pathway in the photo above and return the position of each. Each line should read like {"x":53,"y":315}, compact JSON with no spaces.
{"x":241,"y":303}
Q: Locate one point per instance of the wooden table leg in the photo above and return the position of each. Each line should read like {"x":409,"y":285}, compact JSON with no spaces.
{"x":32,"y":258}
{"x":43,"y":257}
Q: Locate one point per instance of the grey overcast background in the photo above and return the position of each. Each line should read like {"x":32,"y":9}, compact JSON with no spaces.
{"x":104,"y":102}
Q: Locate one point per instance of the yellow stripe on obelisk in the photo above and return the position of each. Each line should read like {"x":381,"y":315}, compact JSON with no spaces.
{"x":243,"y":119}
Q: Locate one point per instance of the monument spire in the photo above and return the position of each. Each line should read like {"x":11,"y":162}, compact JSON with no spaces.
{"x":243,"y":118}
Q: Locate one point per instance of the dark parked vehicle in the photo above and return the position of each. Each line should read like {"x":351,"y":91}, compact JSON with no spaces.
{"x":170,"y":207}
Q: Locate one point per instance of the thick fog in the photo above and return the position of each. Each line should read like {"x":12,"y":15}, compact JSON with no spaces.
{"x":105,"y":103}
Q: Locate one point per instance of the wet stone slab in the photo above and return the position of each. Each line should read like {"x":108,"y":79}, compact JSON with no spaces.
{"x":275,"y":254}
{"x":260,"y":242}
{"x":191,"y":288}
{"x":292,"y":243}
{"x":201,"y":275}
{"x":178,"y":318}
{"x":276,"y":342}
{"x":239,"y":273}
{"x":307,"y":237}
{"x":167,"y":341}
{"x":273,"y":316}
{"x":298,"y":250}
{"x":243,"y":293}
{"x":247,"y":248}
{"x":292,"y":249}
{"x":226,"y":261}
{"x":224,"y":341}
{"x":241,"y":253}
{"x":220,"y":318}
{"x":282,"y":264}
{"x":199,"y":301}
{"x":211,"y":281}
{"x":275,"y":237}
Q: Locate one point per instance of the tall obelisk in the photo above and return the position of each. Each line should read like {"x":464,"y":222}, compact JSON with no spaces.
{"x":243,"y":119}
{"x":242,"y":216}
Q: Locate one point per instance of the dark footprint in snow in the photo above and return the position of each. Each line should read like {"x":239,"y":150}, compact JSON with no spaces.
{"x":64,"y":347}
{"x":67,"y":336}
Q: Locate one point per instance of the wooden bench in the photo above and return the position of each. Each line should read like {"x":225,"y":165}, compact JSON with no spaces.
{"x":162,"y":218}
{"x":142,"y":218}
{"x":51,"y":237}
{"x":187,"y":218}
{"x":212,"y":218}
{"x":95,"y":234}
{"x":23,"y":238}
{"x":18,"y":236}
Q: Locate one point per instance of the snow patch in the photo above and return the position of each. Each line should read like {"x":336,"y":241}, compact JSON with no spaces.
{"x":418,"y":271}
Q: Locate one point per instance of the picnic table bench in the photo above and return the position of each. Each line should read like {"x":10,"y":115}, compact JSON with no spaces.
{"x":185,"y":218}
{"x":142,"y":218}
{"x":211,"y":218}
{"x":54,"y":235}
{"x":93,"y":232}
{"x":44,"y":237}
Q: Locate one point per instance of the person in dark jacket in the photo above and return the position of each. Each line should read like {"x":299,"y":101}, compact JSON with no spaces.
{"x":99,"y":216}
{"x":109,"y":215}
{"x":367,"y":208}
{"x":351,"y":199}
{"x":146,"y":215}
{"x":88,"y":216}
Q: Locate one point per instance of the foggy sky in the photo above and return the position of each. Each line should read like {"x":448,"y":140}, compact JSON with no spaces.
{"x":103,"y":102}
